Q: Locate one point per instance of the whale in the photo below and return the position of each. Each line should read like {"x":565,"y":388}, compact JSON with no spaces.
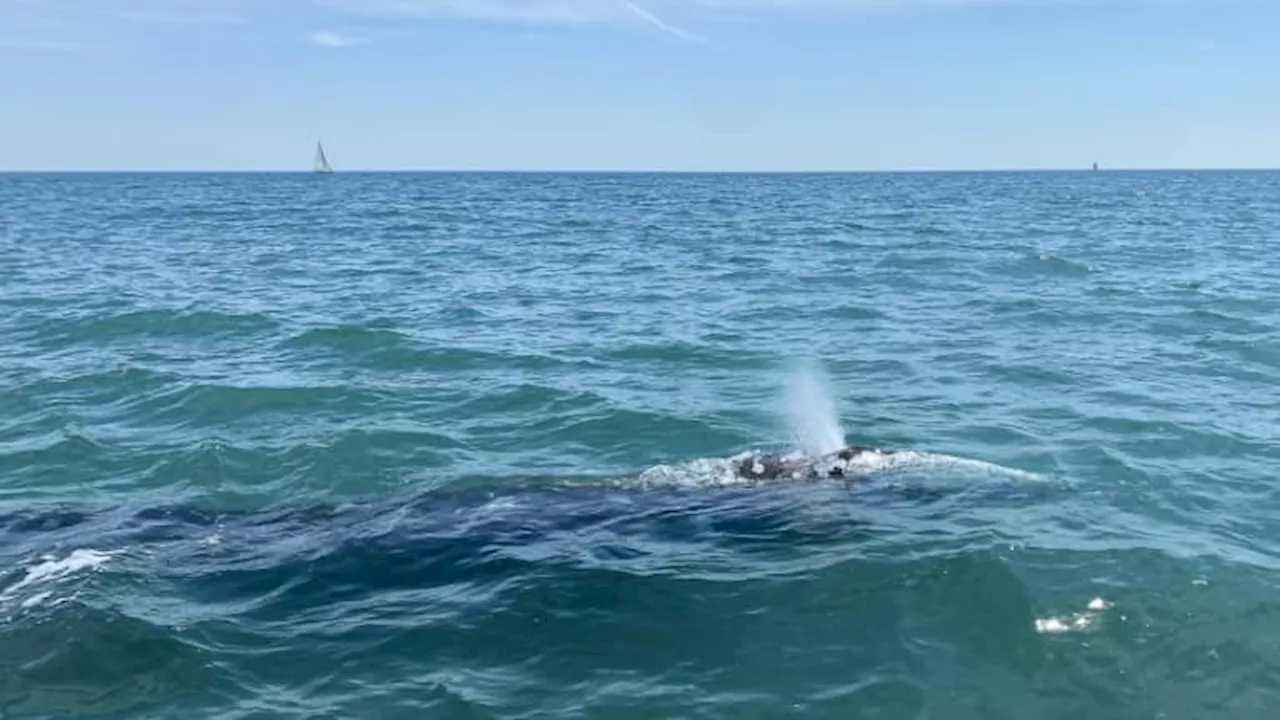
{"x":777,"y":466}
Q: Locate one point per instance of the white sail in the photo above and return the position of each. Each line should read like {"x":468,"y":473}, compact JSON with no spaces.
{"x":322,"y":162}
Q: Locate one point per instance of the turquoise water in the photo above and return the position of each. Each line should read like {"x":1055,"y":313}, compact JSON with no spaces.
{"x":455,"y":446}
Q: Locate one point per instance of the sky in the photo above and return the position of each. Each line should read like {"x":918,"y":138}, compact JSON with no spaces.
{"x":688,"y":85}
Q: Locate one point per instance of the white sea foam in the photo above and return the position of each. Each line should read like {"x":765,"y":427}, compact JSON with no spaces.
{"x":1076,"y":622}
{"x":911,"y":461}
{"x":697,"y":473}
{"x":50,"y":569}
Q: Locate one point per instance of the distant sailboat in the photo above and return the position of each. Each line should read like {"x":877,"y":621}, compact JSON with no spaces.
{"x":1095,"y":166}
{"x":322,"y":162}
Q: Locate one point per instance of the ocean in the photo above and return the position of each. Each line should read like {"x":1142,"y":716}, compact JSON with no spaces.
{"x":443,"y":445}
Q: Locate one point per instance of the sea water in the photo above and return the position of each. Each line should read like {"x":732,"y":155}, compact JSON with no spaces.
{"x":456,"y":445}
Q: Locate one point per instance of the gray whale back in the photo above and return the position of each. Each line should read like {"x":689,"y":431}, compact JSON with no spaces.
{"x":797,"y":466}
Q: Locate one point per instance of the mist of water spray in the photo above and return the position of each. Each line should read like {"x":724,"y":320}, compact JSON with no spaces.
{"x":810,"y":412}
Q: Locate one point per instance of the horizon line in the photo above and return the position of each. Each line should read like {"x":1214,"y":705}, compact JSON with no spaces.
{"x":636,"y":171}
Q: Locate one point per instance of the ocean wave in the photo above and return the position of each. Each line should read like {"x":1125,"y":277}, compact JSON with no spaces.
{"x":169,"y":323}
{"x":572,"y":580}
{"x":73,"y":659}
{"x":389,"y":349}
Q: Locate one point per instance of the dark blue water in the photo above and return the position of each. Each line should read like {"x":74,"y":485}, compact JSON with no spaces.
{"x":456,"y":446}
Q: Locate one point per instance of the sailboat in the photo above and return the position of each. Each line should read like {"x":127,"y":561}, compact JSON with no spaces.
{"x":322,"y":162}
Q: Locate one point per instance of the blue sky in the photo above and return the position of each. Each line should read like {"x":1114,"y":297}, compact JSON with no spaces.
{"x":639,"y":84}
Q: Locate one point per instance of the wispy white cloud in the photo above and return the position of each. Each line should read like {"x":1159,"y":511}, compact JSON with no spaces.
{"x":327,"y":38}
{"x":659,"y":23}
{"x":599,"y":10}
{"x":578,"y":12}
{"x":668,"y":16}
{"x":843,"y":4}
{"x":29,"y":23}
{"x":552,"y":11}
